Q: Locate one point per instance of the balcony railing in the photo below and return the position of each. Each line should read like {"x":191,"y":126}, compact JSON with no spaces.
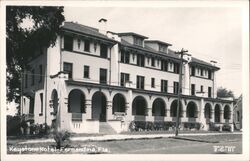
{"x":76,"y":116}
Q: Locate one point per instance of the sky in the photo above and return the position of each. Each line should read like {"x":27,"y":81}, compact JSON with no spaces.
{"x":208,"y":33}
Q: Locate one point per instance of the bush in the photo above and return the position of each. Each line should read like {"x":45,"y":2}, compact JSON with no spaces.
{"x":60,"y":137}
{"x":13,"y":125}
{"x":150,"y":126}
{"x":213,"y":127}
{"x":192,"y":125}
{"x":226,"y":127}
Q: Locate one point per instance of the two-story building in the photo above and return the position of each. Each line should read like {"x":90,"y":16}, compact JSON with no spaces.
{"x":93,"y":76}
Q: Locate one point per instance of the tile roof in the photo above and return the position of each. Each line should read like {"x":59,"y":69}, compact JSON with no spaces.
{"x":85,"y":30}
{"x":198,"y":61}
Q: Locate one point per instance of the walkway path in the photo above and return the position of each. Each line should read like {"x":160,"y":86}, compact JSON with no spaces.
{"x":125,"y":137}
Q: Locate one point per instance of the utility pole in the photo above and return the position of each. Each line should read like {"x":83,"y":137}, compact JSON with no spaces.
{"x":181,"y":53}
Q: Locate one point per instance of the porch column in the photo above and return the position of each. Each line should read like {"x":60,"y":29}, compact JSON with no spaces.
{"x":129,"y":106}
{"x":88,"y":109}
{"x":109,"y":111}
{"x":184,"y":117}
{"x":149,"y":116}
{"x":212,"y":115}
{"x":222,"y":116}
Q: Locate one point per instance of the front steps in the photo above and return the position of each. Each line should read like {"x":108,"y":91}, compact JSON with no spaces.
{"x":105,"y":128}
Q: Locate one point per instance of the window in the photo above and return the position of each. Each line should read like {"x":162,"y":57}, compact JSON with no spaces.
{"x":86,"y":71}
{"x":68,"y":67}
{"x":40,"y":73}
{"x":125,"y":57}
{"x":78,"y":43}
{"x":41,"y":99}
{"x":202,"y":73}
{"x":140,"y":60}
{"x":164,"y":65}
{"x":176,"y":68}
{"x":124,"y":79}
{"x":163,"y":48}
{"x":153,"y":82}
{"x":201,"y":88}
{"x":152,"y":62}
{"x":86,"y":45}
{"x":209,"y":74}
{"x":138,"y":41}
{"x":192,"y":71}
{"x":140,"y":82}
{"x":103,"y":76}
{"x":68,"y":42}
{"x":104,"y":51}
{"x":32,"y":77}
{"x":192,"y":89}
{"x":31,"y":104}
{"x":176,"y":87}
{"x":164,"y":86}
{"x":209,"y":92}
{"x":238,"y":116}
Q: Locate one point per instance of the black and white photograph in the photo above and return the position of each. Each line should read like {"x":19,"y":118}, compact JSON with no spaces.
{"x":124,"y":80}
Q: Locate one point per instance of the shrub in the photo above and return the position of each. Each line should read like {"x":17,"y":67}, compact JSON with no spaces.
{"x":226,"y":127}
{"x":60,"y":137}
{"x":192,"y":125}
{"x":213,"y":127}
{"x":150,"y":126}
{"x":13,"y":125}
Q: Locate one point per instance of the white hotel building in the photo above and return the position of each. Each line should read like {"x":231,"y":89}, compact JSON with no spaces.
{"x":93,"y":77}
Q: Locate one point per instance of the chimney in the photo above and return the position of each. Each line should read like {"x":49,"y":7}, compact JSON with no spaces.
{"x":213,"y":62}
{"x":103,"y":26}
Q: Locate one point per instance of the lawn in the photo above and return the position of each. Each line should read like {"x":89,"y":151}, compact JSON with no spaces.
{"x":142,"y":146}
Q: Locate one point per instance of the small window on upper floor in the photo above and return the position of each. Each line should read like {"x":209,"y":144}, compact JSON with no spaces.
{"x":209,"y":74}
{"x":125,"y":57}
{"x":152,"y":62}
{"x":202,"y":72}
{"x":78,"y":43}
{"x":68,"y":42}
{"x":138,"y":41}
{"x":163,"y":48}
{"x":86,"y":45}
{"x":192,"y":71}
{"x":104,"y":51}
{"x":176,"y":68}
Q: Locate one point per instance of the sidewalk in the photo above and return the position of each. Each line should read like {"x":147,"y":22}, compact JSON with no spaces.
{"x":125,"y":137}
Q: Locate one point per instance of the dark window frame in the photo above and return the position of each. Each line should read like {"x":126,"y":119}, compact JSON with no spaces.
{"x":87,"y":45}
{"x":164,"y":86}
{"x":152,"y":82}
{"x":104,"y":51}
{"x":68,"y":42}
{"x":193,"y":89}
{"x":69,"y":72}
{"x":103,"y":76}
{"x":86,"y":71}
{"x":124,"y":78}
{"x":176,"y":88}
{"x":140,"y":82}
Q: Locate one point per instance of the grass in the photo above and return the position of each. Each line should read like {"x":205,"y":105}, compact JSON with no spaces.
{"x":147,"y":146}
